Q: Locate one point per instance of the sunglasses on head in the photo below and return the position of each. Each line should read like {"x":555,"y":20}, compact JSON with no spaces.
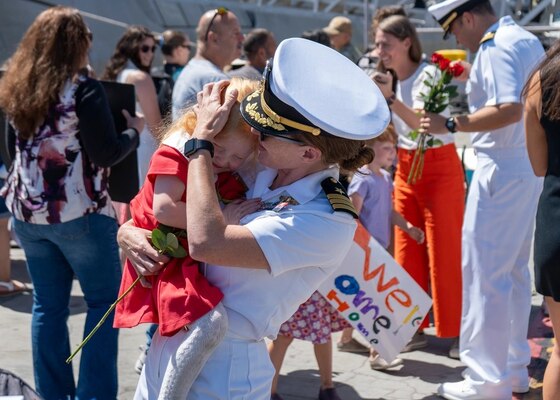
{"x":264,"y":135}
{"x":145,"y":48}
{"x":217,"y":11}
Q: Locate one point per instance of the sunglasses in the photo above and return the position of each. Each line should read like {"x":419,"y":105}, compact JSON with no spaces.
{"x":264,"y":135}
{"x":186,"y":46}
{"x":89,"y":35}
{"x":145,"y":48}
{"x":219,"y":11}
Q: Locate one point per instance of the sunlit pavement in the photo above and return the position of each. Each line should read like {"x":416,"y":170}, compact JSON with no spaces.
{"x":416,"y":379}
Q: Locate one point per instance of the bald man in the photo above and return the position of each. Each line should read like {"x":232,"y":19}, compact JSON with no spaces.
{"x":219,"y":41}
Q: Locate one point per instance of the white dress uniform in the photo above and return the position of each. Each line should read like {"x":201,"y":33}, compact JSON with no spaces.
{"x":499,"y":220}
{"x":301,"y":256}
{"x":304,"y":230}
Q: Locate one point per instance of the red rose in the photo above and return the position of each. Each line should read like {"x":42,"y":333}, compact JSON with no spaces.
{"x":436,"y":57}
{"x":444,"y":64}
{"x":456,"y":69}
{"x":230,"y":187}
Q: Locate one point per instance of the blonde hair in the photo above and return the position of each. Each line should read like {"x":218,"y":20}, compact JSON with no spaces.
{"x":187,"y":121}
{"x":388,"y":135}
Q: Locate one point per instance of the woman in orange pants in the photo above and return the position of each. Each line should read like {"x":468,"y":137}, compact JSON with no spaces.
{"x":435,"y":202}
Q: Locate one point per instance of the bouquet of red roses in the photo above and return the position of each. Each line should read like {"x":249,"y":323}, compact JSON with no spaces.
{"x":435,"y":101}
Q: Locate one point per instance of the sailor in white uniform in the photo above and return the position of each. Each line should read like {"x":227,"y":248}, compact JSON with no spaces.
{"x":501,"y":203}
{"x":305,"y":227}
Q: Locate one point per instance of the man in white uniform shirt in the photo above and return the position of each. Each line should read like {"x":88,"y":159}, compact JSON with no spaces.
{"x":501,"y":204}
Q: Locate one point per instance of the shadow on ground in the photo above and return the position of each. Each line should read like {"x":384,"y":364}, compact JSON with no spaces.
{"x":24,"y":302}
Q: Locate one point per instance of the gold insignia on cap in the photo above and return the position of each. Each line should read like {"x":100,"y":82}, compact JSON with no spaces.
{"x":293,"y":124}
{"x":337,"y":197}
{"x":251,"y":110}
{"x":489,"y":36}
{"x":445,"y":24}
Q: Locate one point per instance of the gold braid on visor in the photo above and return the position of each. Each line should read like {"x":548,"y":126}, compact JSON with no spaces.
{"x":285,"y":121}
{"x":445,"y":25}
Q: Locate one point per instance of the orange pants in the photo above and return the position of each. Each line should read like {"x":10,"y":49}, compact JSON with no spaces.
{"x":435,"y":203}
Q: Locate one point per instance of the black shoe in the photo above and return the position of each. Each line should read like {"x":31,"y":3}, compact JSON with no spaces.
{"x":328,"y":394}
{"x":275,"y":396}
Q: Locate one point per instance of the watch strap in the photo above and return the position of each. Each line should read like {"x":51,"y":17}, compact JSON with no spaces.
{"x":194,"y":144}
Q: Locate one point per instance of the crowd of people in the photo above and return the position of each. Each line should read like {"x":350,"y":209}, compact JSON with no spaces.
{"x":283,"y":157}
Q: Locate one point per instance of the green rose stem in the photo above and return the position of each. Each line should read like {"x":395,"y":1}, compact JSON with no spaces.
{"x":164,"y":240}
{"x":102,"y":320}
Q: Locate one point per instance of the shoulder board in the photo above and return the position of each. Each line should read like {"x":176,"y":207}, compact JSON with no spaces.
{"x":489,"y":36}
{"x":337,"y":197}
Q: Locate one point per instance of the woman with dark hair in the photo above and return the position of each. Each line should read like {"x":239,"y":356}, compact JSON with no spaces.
{"x":131,"y":63}
{"x":57,"y":192}
{"x":436,"y":202}
{"x":176,"y":50}
{"x":542,"y":126}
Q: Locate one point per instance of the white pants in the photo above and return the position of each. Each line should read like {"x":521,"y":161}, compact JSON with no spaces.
{"x":236,"y":370}
{"x":497,"y":233}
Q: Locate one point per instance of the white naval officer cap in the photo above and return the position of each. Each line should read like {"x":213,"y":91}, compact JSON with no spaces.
{"x":449,"y":10}
{"x":312,"y":88}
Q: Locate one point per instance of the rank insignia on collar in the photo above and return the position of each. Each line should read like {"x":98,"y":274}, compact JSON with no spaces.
{"x":489,"y":36}
{"x":337,"y":197}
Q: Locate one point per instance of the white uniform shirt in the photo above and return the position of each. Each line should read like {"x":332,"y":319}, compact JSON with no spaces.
{"x":499,"y":72}
{"x":303,"y":245}
{"x":408,"y":91}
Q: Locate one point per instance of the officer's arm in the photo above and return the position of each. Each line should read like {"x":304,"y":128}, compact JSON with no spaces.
{"x":490,"y":118}
{"x":210,"y":239}
{"x":537,"y":146}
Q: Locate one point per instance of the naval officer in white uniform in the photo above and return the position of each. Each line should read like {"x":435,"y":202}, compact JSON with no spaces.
{"x":501,"y":204}
{"x":278,"y":256}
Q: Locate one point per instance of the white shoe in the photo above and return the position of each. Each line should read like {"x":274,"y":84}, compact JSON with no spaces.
{"x":464,"y":390}
{"x":520,"y":385}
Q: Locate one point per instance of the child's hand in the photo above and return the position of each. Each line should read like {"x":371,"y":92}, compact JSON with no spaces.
{"x":239,"y":208}
{"x":416,"y":234}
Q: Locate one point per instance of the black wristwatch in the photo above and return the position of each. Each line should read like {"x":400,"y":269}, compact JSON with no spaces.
{"x":451,"y":125}
{"x":193,"y":145}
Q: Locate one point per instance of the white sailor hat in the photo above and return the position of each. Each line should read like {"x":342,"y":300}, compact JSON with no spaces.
{"x":449,"y":10}
{"x":309,"y":87}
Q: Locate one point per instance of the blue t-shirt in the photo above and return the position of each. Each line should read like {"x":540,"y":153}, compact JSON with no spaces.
{"x":375,"y":190}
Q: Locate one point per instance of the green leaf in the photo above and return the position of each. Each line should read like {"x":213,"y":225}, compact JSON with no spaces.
{"x":179,"y":252}
{"x":158,"y":239}
{"x":429,"y":75}
{"x":430,"y":142}
{"x":413,"y":134}
{"x":172,"y":241}
{"x":428,"y":83}
{"x":438,"y":142}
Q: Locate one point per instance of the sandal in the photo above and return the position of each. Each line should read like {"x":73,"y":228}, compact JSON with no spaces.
{"x":378,"y":363}
{"x":12,"y":288}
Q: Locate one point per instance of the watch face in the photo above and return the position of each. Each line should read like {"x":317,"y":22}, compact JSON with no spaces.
{"x":450,"y":125}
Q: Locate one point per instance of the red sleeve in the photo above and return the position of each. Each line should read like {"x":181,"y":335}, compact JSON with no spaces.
{"x":168,"y":161}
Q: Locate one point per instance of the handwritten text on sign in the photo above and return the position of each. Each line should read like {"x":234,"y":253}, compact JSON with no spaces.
{"x":377,"y":296}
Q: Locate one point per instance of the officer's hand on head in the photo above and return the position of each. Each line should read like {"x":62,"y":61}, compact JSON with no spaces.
{"x":213,"y":108}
